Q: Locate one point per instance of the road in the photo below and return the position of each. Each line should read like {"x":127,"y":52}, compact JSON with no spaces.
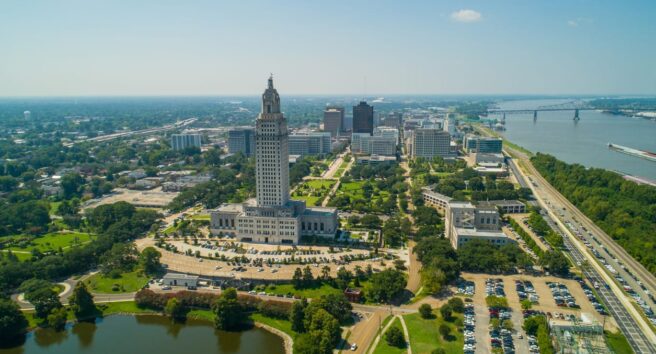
{"x":634,"y":327}
{"x":107,"y":137}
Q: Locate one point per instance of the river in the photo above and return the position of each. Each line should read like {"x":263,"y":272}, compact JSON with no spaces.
{"x":584,"y":142}
{"x":147,"y":334}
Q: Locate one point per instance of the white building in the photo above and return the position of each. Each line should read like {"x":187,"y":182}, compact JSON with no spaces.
{"x":272,"y":217}
{"x":313,"y":143}
{"x":430,"y":142}
{"x":363,"y":143}
{"x":183,"y":141}
{"x":464,"y":222}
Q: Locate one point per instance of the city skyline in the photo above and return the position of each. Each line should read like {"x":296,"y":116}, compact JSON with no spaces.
{"x":75,"y":48}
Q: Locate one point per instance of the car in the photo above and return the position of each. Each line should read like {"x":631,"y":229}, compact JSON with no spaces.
{"x":354,"y":347}
{"x":166,"y":287}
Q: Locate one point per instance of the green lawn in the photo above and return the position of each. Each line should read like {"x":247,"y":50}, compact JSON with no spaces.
{"x":384,"y":348}
{"x":47,"y":243}
{"x":618,"y":343}
{"x":284,"y":289}
{"x":425,"y":337}
{"x":313,"y":191}
{"x":127,"y":283}
{"x":283,"y":325}
{"x":200,"y":217}
{"x":54,"y":208}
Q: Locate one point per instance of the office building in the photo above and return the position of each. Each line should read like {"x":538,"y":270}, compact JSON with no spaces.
{"x":388,"y":132}
{"x":482,"y":144}
{"x":363,"y":143}
{"x":241,"y":140}
{"x":450,"y":124}
{"x":464,"y":222}
{"x":363,"y":118}
{"x":333,"y":120}
{"x":437,"y":200}
{"x":430,"y":142}
{"x":315,"y":143}
{"x":392,"y":119}
{"x":272,"y":217}
{"x":183,"y":141}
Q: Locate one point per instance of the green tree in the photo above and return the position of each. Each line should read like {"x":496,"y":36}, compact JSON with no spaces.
{"x":426,"y":311}
{"x":297,"y":279}
{"x":457,"y":305}
{"x":394,"y":337}
{"x":175,"y":309}
{"x":308,"y":278}
{"x":386,"y":285}
{"x":297,"y":316}
{"x":56,"y":319}
{"x":13,"y":323}
{"x":44,"y":300}
{"x":446,"y":311}
{"x":149,"y":260}
{"x":526,"y":304}
{"x":81,"y":302}
{"x":227,"y":311}
{"x":445,"y":330}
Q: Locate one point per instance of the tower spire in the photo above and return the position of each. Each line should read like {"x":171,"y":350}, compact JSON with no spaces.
{"x":271,"y":81}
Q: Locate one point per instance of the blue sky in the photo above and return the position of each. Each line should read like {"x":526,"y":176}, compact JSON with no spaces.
{"x":140,"y":47}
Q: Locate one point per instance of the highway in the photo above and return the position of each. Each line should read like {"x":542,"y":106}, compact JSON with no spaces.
{"x":634,"y":327}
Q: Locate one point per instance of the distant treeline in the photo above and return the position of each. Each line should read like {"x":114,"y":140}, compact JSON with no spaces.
{"x":623,"y":209}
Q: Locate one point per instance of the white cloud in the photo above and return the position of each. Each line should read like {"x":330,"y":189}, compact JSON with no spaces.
{"x":572,"y":23}
{"x":466,"y":15}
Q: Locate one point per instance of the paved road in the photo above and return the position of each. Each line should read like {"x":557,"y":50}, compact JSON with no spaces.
{"x":628,"y":320}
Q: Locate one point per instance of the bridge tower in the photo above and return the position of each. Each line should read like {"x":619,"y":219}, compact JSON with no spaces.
{"x":576,"y":115}
{"x":503,"y":119}
{"x":535,"y":116}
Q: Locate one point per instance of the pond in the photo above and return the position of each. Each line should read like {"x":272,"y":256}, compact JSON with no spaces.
{"x":147,"y":334}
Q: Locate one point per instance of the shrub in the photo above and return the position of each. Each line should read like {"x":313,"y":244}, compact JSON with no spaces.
{"x":446,"y":312}
{"x":445,"y":330}
{"x":457,"y":304}
{"x":394,"y":337}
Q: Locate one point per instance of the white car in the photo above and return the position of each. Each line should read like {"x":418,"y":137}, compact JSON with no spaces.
{"x":354,"y":347}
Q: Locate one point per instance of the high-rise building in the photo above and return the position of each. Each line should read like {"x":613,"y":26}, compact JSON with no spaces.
{"x":387,"y":132}
{"x":272,"y":217}
{"x":363,"y":143}
{"x":183,"y":141}
{"x":392,"y":119}
{"x":241,"y":140}
{"x":363,"y":118}
{"x":430,"y":142}
{"x":333,"y":120}
{"x":27,"y":115}
{"x":314,"y":143}
{"x":482,"y":144}
{"x":450,"y":124}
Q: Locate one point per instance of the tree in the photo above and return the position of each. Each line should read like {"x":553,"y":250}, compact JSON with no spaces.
{"x":446,"y":311}
{"x":308,"y":278}
{"x":122,"y":257}
{"x":370,"y":221}
{"x":432,"y":279}
{"x":297,"y":279}
{"x":297,"y":316}
{"x":556,"y":262}
{"x":44,"y":300}
{"x":72,"y":184}
{"x":337,"y":305}
{"x":394,"y":337}
{"x":81,"y":302}
{"x":227,"y":311}
{"x":13,"y":323}
{"x":175,"y":309}
{"x":457,"y":305}
{"x":426,"y":311}
{"x":57,"y":318}
{"x":526,"y":304}
{"x":445,"y":330}
{"x":149,"y":260}
{"x":386,"y":285}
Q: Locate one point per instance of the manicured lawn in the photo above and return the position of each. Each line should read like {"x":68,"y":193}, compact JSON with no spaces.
{"x":284,"y":289}
{"x":618,"y":343}
{"x":54,"y":208}
{"x":425,"y":336}
{"x":200,"y":217}
{"x":313,"y":191}
{"x":127,"y":283}
{"x":384,"y":348}
{"x":283,"y":325}
{"x":53,"y":241}
{"x":21,"y":256}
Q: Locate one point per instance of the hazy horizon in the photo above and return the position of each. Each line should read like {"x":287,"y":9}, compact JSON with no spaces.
{"x":76,"y":48}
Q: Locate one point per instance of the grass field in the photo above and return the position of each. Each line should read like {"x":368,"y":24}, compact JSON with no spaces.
{"x":384,"y":348}
{"x":282,"y":325}
{"x":313,"y":191}
{"x":47,"y":243}
{"x":127,"y":283}
{"x":284,"y":289}
{"x":618,"y":343}
{"x":425,"y":337}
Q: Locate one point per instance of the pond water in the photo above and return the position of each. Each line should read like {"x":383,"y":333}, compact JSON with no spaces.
{"x":147,"y":334}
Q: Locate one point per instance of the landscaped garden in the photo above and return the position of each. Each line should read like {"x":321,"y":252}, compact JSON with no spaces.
{"x":313,"y":192}
{"x":23,"y":245}
{"x":122,"y":283}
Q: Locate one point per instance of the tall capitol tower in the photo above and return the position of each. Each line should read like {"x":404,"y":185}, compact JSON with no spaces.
{"x":271,"y":152}
{"x":271,"y":217}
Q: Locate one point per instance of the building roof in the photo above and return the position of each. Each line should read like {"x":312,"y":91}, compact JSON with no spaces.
{"x":179,"y":276}
{"x":501,"y":203}
{"x":231,"y":208}
{"x":479,"y":233}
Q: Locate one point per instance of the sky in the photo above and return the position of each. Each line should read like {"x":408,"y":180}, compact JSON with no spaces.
{"x":193,"y":47}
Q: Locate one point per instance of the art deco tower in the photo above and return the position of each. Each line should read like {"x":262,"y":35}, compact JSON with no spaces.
{"x":271,"y":152}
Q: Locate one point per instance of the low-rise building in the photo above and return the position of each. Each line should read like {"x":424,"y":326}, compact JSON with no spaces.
{"x":464,"y":222}
{"x":183,"y":141}
{"x":375,"y":159}
{"x":436,"y":200}
{"x":505,"y":206}
{"x":482,"y":144}
{"x":177,"y":279}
